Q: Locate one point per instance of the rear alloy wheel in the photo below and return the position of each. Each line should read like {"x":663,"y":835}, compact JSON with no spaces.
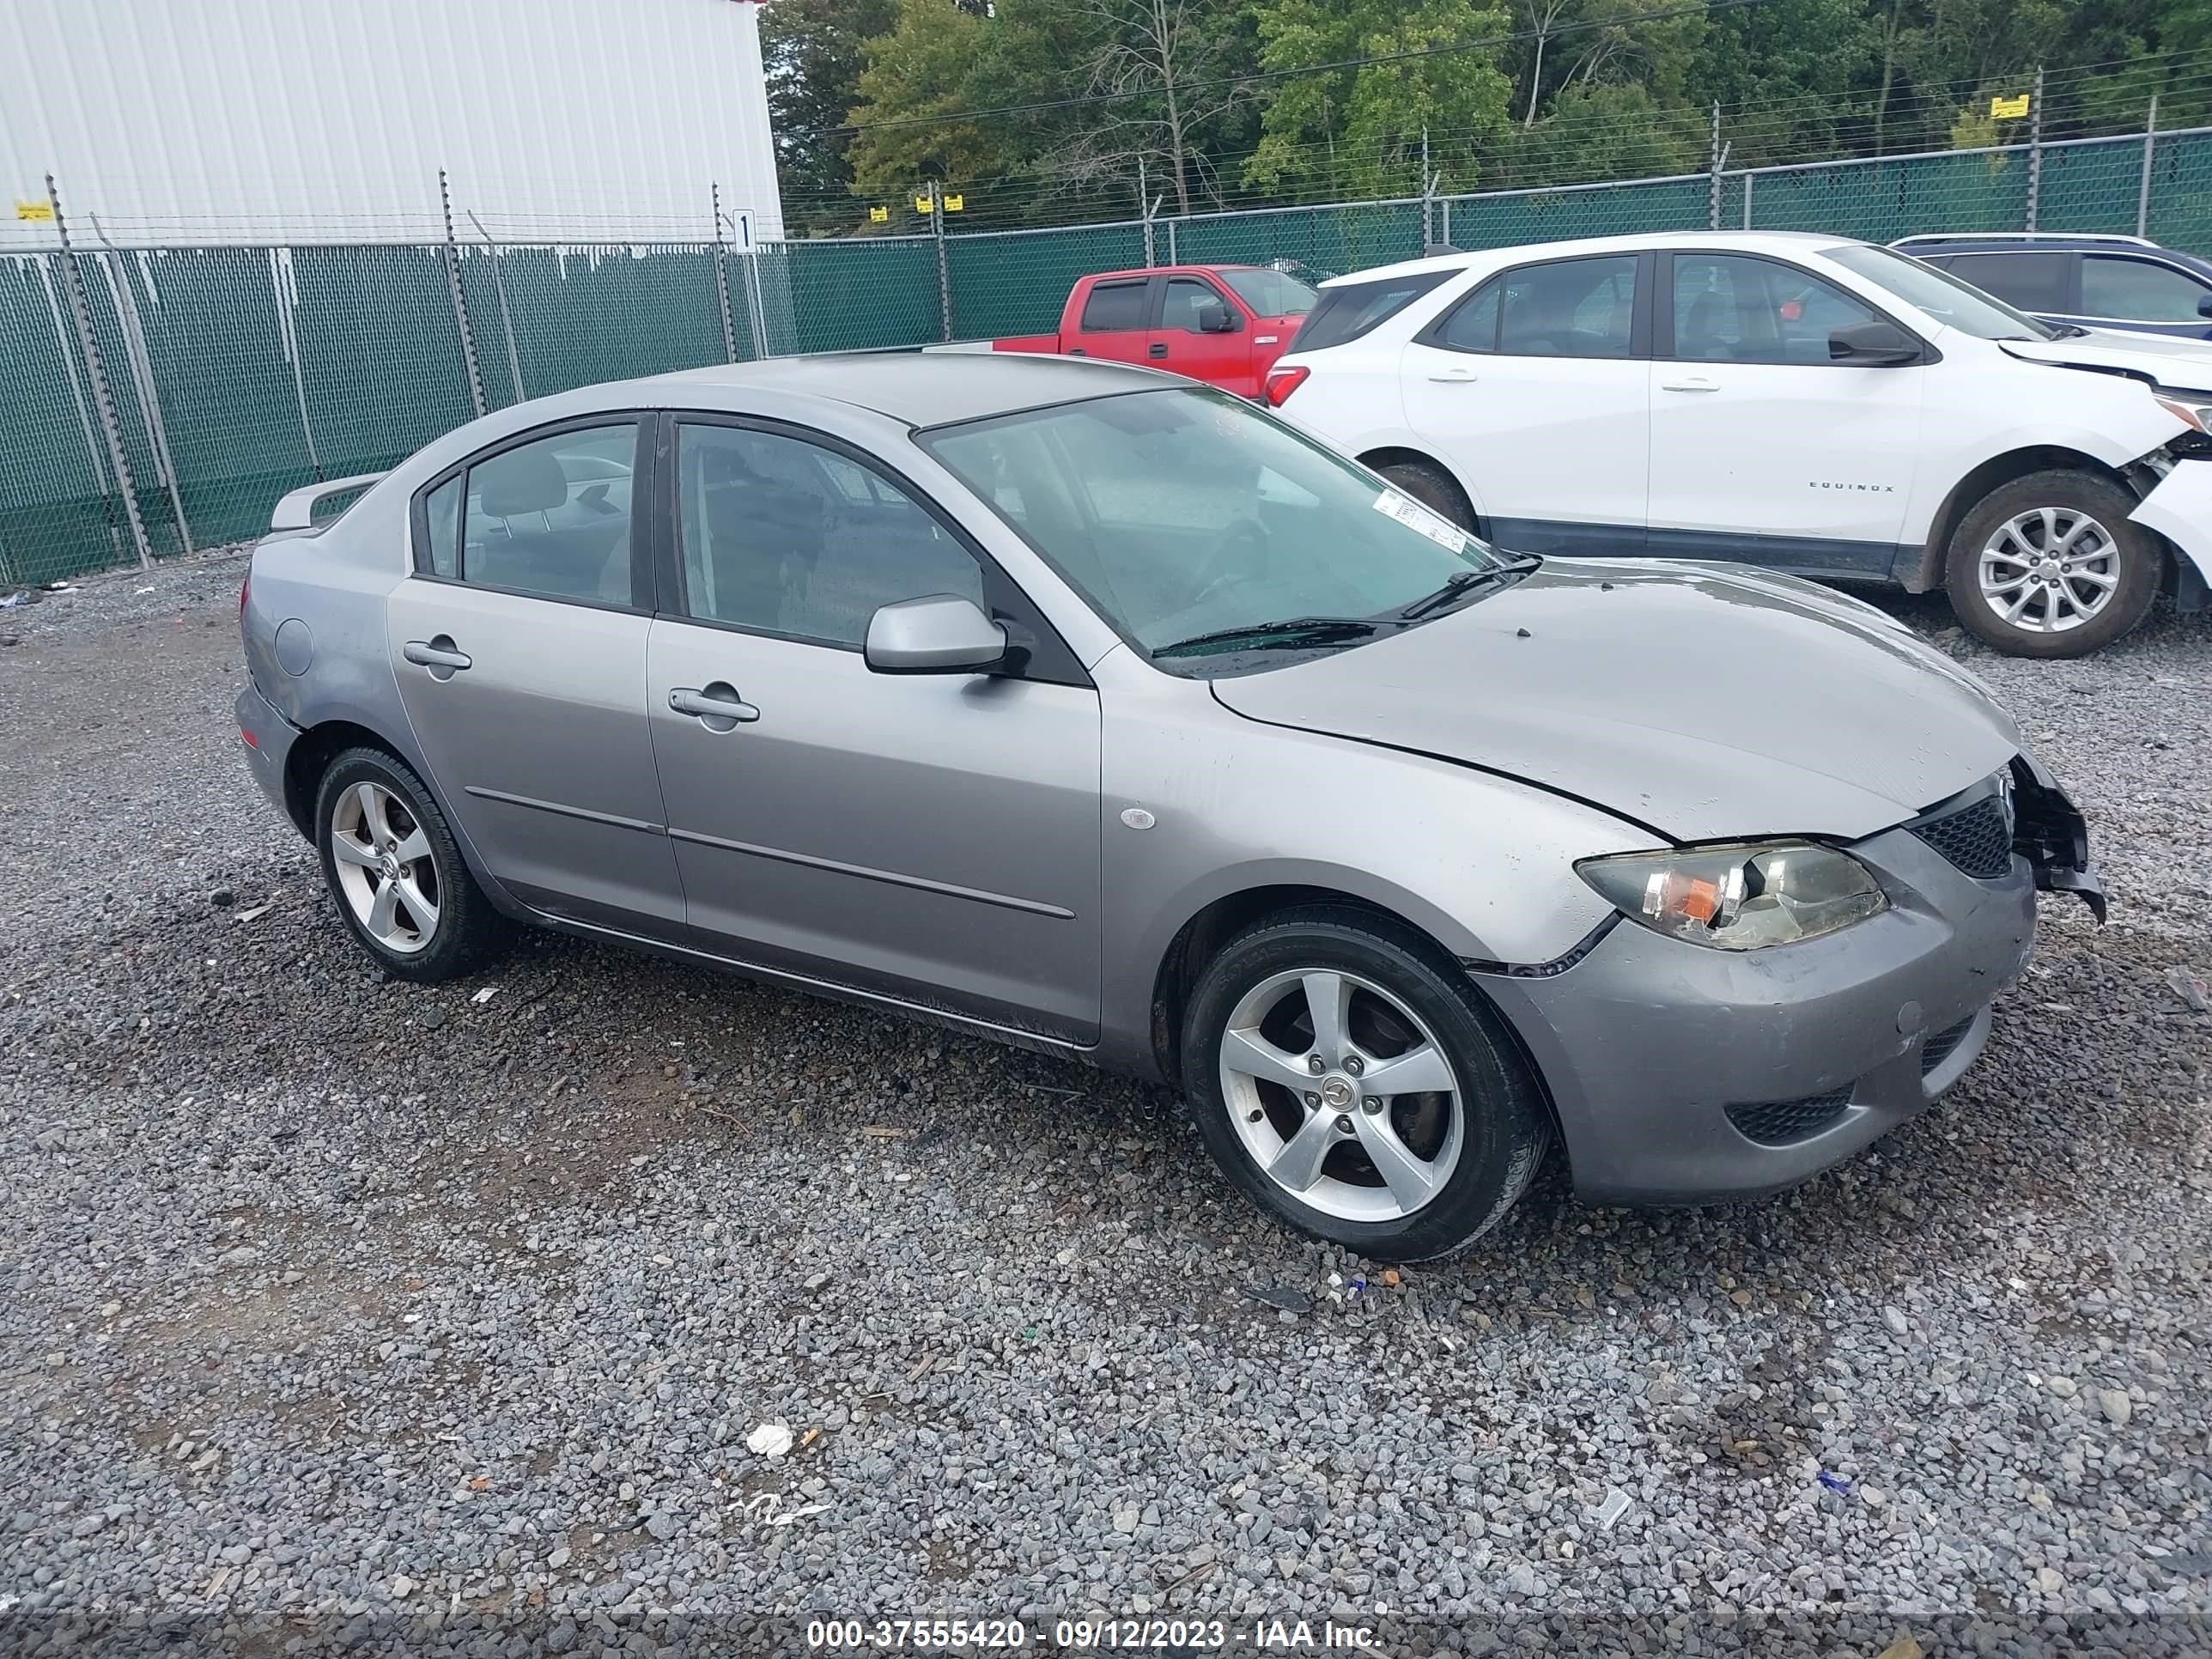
{"x":1348,"y":1080}
{"x":2051,"y":566}
{"x":392,"y":866}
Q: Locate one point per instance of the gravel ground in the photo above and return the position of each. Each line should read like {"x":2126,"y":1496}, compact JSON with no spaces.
{"x":342,"y":1311}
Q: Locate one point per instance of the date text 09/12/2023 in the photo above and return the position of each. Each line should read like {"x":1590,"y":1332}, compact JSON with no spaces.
{"x":1079,"y":1635}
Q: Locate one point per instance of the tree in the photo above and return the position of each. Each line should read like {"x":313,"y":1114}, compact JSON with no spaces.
{"x":1357,"y":131}
{"x":912,"y":94}
{"x":813,"y":52}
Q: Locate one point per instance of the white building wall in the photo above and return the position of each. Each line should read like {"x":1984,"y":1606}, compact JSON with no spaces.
{"x":220,"y":121}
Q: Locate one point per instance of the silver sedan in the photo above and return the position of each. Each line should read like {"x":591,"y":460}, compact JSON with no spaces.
{"x":1105,"y":714}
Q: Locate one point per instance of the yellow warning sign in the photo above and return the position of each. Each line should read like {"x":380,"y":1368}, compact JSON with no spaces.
{"x":921,"y":205}
{"x":2008,"y":109}
{"x":954,"y":204}
{"x":40,"y":213}
{"x":879,"y":216}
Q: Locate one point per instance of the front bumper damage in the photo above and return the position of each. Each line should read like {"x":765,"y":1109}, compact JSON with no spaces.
{"x":2178,"y":506}
{"x":1680,"y":1074}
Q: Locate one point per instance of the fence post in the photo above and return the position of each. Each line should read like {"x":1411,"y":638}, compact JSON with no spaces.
{"x":1144,"y":204}
{"x":1713,"y":206}
{"x":506,"y":322}
{"x":460,"y":306}
{"x":288,"y":335}
{"x":944,"y":265}
{"x":1446,"y":205}
{"x":70,"y":364}
{"x":1428,"y":197}
{"x":1172,"y":259}
{"x":2142,"y":191}
{"x":141,"y":362}
{"x":2035,"y":150}
{"x":103,"y":396}
{"x":722,"y":282}
{"x":1746,"y":199}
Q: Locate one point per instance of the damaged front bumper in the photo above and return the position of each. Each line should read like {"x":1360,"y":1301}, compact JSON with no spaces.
{"x":2050,"y":832}
{"x":2178,"y":506}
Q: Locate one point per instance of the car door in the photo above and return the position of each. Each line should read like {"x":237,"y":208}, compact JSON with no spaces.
{"x":518,"y":643}
{"x":1202,"y":333}
{"x":2143,"y":295}
{"x":932,"y":838}
{"x":1535,"y":389}
{"x":1115,"y":322}
{"x":1762,"y":447}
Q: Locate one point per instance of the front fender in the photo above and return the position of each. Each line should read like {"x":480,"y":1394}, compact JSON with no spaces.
{"x":2180,"y":508}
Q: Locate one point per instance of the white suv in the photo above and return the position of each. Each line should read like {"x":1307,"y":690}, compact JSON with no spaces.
{"x":1803,"y":402}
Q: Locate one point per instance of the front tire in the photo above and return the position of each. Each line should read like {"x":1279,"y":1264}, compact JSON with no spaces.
{"x":2050,"y":565}
{"x":395,"y":872}
{"x":1348,"y":1080}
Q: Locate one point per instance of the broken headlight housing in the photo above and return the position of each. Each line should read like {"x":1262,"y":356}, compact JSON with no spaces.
{"x":1744,"y":896}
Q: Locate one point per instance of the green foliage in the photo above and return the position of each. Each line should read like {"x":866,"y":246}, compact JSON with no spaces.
{"x":811,"y":49}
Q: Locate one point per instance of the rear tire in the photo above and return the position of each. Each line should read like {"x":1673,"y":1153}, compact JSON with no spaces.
{"x":396,"y":873}
{"x":2051,"y":566}
{"x":1434,"y":488}
{"x":1288,"y":1048}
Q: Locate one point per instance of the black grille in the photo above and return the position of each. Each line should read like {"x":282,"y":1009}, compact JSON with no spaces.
{"x":1945,"y":1043}
{"x":1976,"y":838}
{"x":1778,"y":1123}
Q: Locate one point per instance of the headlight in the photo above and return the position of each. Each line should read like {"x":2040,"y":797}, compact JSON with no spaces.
{"x":1741,"y":897}
{"x":2192,"y":410}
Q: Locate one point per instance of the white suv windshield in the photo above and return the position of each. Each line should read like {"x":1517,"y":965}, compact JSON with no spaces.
{"x":1202,"y":529}
{"x":1944,"y":298}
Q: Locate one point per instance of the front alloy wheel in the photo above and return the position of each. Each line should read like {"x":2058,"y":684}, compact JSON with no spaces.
{"x":1348,"y":1077}
{"x":2049,"y":569}
{"x":2050,"y":565}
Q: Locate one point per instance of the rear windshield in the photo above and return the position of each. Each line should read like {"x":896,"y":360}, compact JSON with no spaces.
{"x":1348,"y":310}
{"x":1272,"y":293}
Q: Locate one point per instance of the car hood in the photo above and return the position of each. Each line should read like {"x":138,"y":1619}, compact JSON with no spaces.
{"x":2185,"y":364}
{"x":1704,"y":701}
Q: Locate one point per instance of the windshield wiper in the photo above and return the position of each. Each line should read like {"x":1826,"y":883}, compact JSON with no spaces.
{"x":1463,"y":581}
{"x":1294,"y":631}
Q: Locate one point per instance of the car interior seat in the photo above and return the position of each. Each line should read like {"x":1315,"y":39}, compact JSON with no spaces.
{"x":526,"y":547}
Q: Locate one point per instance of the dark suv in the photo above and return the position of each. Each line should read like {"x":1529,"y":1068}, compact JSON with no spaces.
{"x":2097,"y":281}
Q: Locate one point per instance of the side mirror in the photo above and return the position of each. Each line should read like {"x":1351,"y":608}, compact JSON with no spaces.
{"x":1876,"y":344}
{"x":2204,"y":306}
{"x":937,"y":633}
{"x":1218,"y":320}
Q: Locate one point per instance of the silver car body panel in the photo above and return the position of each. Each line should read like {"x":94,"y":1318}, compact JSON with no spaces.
{"x":1021,"y":857}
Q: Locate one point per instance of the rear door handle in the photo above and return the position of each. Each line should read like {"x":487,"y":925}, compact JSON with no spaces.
{"x":435,"y":654}
{"x":1453,"y":376}
{"x":1690,"y":383}
{"x":718,"y":707}
{"x":1159,"y":350}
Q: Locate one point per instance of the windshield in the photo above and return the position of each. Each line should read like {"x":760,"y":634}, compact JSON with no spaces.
{"x":1272,"y":293}
{"x":1188,"y":521}
{"x":1948,"y":301}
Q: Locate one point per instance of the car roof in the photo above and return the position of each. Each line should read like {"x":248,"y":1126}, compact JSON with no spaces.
{"x":1747,"y":242}
{"x":2022,"y":241}
{"x":928,"y":388}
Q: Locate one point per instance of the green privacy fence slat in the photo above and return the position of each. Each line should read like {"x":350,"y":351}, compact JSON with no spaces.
{"x":1487,"y":221}
{"x":270,"y":367}
{"x":1016,"y":282}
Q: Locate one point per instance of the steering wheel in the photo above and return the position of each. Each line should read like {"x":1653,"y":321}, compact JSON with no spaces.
{"x":1240,"y":550}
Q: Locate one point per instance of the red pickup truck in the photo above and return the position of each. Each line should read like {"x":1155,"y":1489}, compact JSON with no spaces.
{"x":1224,"y":324}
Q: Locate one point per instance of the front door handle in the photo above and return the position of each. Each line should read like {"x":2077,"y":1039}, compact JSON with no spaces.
{"x":718,"y":707}
{"x":1158,"y":350}
{"x":1453,"y":376}
{"x":440,"y":655}
{"x":1690,"y":383}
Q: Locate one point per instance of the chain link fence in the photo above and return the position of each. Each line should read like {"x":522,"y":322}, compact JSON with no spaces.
{"x":216,"y":379}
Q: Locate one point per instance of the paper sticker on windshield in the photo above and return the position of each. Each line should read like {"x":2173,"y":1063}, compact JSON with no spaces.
{"x":1411,"y":515}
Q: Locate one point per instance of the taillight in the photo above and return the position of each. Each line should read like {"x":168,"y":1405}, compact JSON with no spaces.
{"x":1281,"y":382}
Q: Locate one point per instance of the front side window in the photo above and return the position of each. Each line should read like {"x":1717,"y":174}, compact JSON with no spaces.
{"x":2033,"y":282}
{"x":2139,"y":290}
{"x":1941,"y":297}
{"x":1731,"y":309}
{"x":1190,"y":304}
{"x":551,"y":517}
{"x":442,"y":519}
{"x":1184,"y":515}
{"x":1116,"y":307}
{"x":781,"y":536}
{"x":1571,"y":308}
{"x":1272,"y":293}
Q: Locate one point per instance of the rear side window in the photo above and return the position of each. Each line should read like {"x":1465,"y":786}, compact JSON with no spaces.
{"x":1351,"y":309}
{"x":1472,"y":325}
{"x":2033,"y":281}
{"x":1115,"y":308}
{"x":442,"y":518}
{"x":2139,"y":290}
